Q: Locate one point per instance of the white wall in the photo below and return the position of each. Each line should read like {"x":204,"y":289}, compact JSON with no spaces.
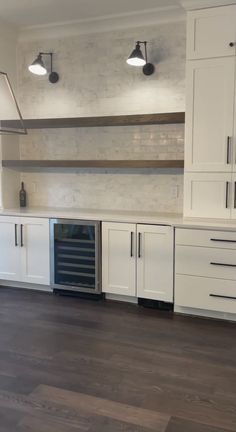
{"x":95,"y":80}
{"x":9,"y":145}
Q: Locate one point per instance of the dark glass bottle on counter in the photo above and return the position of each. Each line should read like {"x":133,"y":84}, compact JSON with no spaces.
{"x":22,"y":196}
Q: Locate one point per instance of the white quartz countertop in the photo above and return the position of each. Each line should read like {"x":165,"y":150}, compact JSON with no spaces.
{"x":172,"y":219}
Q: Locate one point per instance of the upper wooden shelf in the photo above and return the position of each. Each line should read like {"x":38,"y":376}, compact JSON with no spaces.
{"x":39,"y":164}
{"x":121,"y":120}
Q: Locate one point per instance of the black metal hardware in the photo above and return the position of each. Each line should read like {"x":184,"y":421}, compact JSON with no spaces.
{"x":222,"y":296}
{"x":222,"y":240}
{"x":228,"y":149}
{"x":131,"y":244}
{"x":16,"y":241}
{"x":139,"y":245}
{"x":227,"y":193}
{"x":21,"y":236}
{"x":231,"y":44}
{"x":234,"y":194}
{"x":222,"y":264}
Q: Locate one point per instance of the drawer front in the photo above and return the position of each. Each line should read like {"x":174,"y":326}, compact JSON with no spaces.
{"x":207,"y":238}
{"x":207,"y":262}
{"x":204,"y":293}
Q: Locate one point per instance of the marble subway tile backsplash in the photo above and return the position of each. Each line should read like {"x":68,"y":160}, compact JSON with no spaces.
{"x":150,"y":190}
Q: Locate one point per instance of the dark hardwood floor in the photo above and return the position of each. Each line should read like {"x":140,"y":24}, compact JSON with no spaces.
{"x":71,"y":365}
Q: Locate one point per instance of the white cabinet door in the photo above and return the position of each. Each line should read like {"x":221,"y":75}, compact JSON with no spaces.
{"x":119,"y":258}
{"x":233,"y":201}
{"x":209,"y":114}
{"x":34,"y":248}
{"x":9,"y":248}
{"x":208,"y":195}
{"x":210,"y":32}
{"x":155,"y":262}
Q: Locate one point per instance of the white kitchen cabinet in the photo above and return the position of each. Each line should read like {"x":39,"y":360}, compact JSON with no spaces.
{"x":119,"y":258}
{"x":233,"y":197}
{"x":210,"y":115}
{"x":210,"y":32}
{"x":205,"y":270}
{"x":137,"y":260}
{"x":24,"y":249}
{"x":208,"y":195}
{"x":155,"y":262}
{"x":35,"y":251}
{"x":10,"y":267}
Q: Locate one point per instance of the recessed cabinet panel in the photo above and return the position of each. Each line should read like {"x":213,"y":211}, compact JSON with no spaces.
{"x":208,"y":195}
{"x":35,"y":250}
{"x":119,"y":258}
{"x":9,"y":249}
{"x":155,"y":262}
{"x":209,"y":115}
{"x":210,"y":32}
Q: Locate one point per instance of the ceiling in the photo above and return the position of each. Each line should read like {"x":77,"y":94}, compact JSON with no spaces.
{"x":26,"y":13}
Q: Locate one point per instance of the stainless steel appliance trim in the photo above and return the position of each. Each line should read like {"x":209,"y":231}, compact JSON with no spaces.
{"x":97,"y":225}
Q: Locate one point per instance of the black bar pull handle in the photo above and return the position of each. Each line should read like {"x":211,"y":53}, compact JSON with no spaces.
{"x":228,"y":149}
{"x":222,"y":296}
{"x":16,"y":240}
{"x":227,"y":194}
{"x":21,"y":235}
{"x":234,"y":194}
{"x":223,"y":240}
{"x":131,"y":244}
{"x":139,"y":245}
{"x":222,"y":264}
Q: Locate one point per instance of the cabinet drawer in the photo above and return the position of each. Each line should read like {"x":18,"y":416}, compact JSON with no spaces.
{"x":207,"y":262}
{"x":204,"y":293}
{"x":210,"y":239}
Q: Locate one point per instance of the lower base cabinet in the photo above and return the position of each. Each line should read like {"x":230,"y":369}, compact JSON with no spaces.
{"x":24,"y":250}
{"x":137,"y":260}
{"x":205,"y":270}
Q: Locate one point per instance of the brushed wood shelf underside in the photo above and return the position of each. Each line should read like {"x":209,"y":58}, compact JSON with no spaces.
{"x":24,"y":164}
{"x":119,"y":120}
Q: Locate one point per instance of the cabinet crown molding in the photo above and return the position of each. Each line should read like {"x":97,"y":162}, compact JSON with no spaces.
{"x":204,"y":4}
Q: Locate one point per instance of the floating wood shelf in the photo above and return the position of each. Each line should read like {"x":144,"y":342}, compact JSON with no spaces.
{"x":30,"y":164}
{"x":120,"y":120}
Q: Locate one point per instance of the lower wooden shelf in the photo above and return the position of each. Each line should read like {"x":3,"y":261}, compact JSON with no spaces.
{"x":29,"y":164}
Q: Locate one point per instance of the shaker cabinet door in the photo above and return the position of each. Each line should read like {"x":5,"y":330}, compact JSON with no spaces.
{"x":209,"y":115}
{"x":9,"y":248}
{"x":155,"y":262}
{"x":34,"y":248}
{"x":210,"y":32}
{"x":119,"y":258}
{"x":208,"y":195}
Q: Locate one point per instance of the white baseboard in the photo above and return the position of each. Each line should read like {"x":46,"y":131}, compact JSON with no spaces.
{"x":117,"y":297}
{"x":29,"y":286}
{"x":204,"y":313}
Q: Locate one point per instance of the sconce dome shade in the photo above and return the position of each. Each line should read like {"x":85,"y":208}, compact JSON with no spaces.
{"x":136,"y":57}
{"x":38,"y":67}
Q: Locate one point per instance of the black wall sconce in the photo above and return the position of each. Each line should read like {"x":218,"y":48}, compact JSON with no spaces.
{"x":38,"y":68}
{"x":136,"y":58}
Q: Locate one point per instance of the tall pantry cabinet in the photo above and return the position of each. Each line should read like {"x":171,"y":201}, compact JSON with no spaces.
{"x":210,"y":140}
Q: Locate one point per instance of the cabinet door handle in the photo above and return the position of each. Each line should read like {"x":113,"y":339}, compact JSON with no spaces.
{"x":139,"y":245}
{"x":222,"y":296}
{"x":234,"y":194}
{"x":228,"y":150}
{"x":16,"y":240}
{"x":222,"y":264}
{"x":227,"y":194}
{"x":232,"y":44}
{"x":21,"y":235}
{"x":222,"y":240}
{"x":131,"y":244}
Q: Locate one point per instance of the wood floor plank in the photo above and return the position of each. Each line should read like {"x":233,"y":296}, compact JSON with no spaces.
{"x":180,"y":425}
{"x":106,"y":408}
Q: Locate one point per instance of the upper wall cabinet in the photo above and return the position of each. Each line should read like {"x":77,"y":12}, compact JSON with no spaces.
{"x":210,"y":114}
{"x":211,"y":33}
